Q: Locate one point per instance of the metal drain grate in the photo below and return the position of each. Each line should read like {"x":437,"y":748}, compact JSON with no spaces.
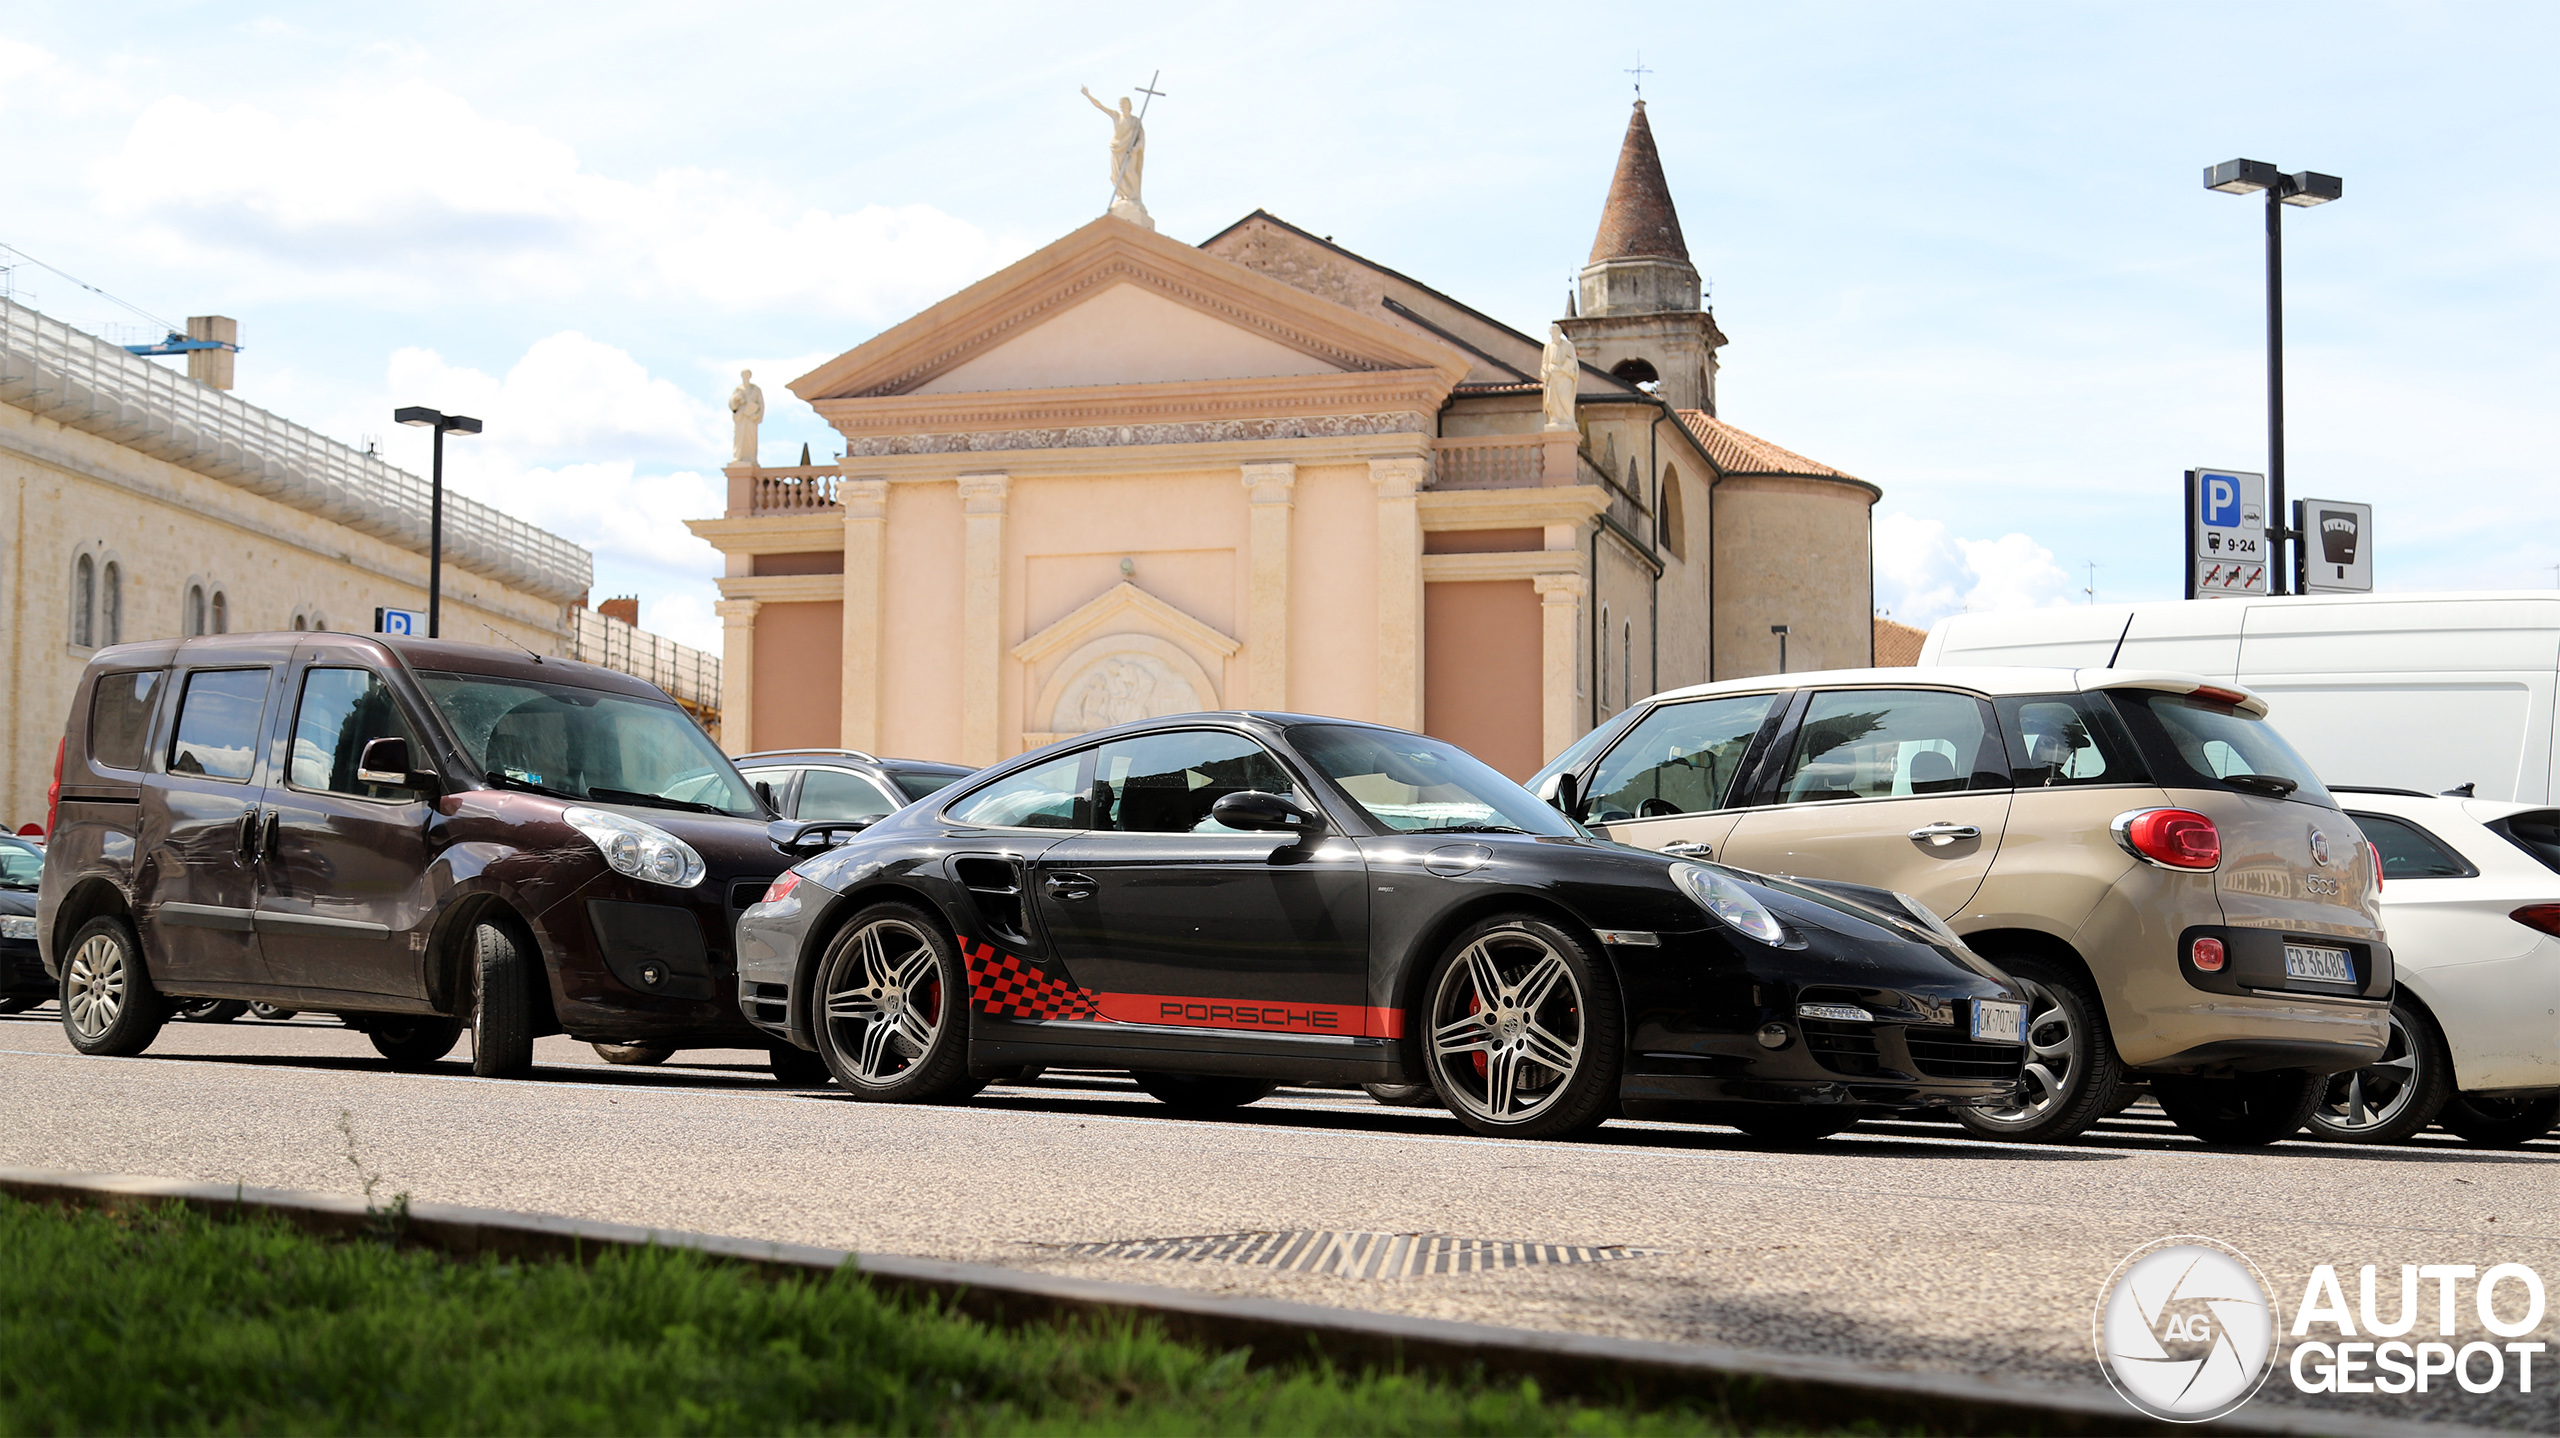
{"x":1341,"y":1253}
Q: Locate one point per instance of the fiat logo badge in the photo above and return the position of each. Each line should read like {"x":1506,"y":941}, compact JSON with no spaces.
{"x":2319,"y":848}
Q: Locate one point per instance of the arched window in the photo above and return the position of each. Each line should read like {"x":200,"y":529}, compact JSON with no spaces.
{"x":1602,"y":658}
{"x":319,"y":623}
{"x":1637,"y":372}
{"x":1627,"y":662}
{"x":221,"y":612}
{"x":300,"y":623}
{"x":1675,"y":529}
{"x":111,"y":605}
{"x":192,"y":621}
{"x":84,"y":602}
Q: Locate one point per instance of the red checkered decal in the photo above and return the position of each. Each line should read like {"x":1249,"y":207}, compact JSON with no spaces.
{"x":1004,"y":986}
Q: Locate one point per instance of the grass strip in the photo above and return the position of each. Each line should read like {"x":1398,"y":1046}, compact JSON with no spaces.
{"x":165,"y":1321}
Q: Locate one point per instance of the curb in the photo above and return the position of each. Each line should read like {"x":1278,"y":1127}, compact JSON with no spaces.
{"x":1766,"y":1386}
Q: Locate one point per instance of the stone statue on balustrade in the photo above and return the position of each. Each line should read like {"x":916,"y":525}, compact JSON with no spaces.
{"x":1560,"y":370}
{"x":746,"y":411}
{"x":1128,"y":161}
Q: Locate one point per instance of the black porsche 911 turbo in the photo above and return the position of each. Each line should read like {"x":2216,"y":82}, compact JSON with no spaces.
{"x":1220,"y":903}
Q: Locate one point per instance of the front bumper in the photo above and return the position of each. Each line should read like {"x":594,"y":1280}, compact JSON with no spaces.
{"x":22,"y":972}
{"x":1696,"y":1008}
{"x":634,"y":962}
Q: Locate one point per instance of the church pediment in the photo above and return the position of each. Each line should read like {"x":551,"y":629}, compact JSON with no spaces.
{"x":1115,"y":305}
{"x":1123,"y":655}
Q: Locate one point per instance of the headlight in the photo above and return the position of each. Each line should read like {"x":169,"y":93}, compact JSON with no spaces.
{"x":18,"y":926}
{"x":642,"y":850}
{"x":1728,"y":901}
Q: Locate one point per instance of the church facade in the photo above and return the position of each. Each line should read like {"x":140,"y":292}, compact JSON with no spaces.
{"x":1126,"y":477}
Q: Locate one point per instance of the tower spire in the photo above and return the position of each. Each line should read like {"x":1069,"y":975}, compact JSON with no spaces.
{"x":1639,"y":221}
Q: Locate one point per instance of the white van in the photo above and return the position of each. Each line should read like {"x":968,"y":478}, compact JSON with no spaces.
{"x":2409,"y":691}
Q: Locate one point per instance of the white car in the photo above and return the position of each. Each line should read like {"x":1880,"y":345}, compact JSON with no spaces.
{"x":2471,"y":900}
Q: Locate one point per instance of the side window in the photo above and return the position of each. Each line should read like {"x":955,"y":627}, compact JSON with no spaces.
{"x":1679,"y":759}
{"x":779,"y":779}
{"x":839,"y":794}
{"x":916,"y":783}
{"x":341,"y":710}
{"x":1166,"y":783}
{"x":1889,"y":743}
{"x":2409,"y":852}
{"x":1041,"y":797}
{"x":218,"y":723}
{"x":120,"y":716}
{"x":2057,"y":740}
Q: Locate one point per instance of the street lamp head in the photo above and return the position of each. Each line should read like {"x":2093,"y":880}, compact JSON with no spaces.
{"x":2312,"y":188}
{"x":1780,"y":629}
{"x":437,"y":420}
{"x":2242,"y":177}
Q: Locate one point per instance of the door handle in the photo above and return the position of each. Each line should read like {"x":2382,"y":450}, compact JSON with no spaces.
{"x":1068,"y":886}
{"x":250,"y":832}
{"x":1690,"y":849}
{"x":1940,"y":835}
{"x":271,"y":834}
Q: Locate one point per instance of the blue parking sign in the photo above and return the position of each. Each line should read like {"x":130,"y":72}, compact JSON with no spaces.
{"x":2219,"y":498}
{"x":408,"y":622}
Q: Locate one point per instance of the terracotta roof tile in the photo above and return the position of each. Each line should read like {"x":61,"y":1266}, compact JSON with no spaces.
{"x":1638,"y":221}
{"x":1898,"y":645}
{"x":1737,"y":452}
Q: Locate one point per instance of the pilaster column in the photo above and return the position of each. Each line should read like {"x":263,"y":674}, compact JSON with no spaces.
{"x":1399,"y":481}
{"x":1270,"y":490}
{"x":982,"y":648}
{"x":742,"y":489}
{"x":866,"y":546}
{"x":1558,"y":456}
{"x":1560,"y":607}
{"x":738,"y":673}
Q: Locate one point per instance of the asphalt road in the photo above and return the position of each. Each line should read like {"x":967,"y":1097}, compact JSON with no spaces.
{"x":1906,"y":1245}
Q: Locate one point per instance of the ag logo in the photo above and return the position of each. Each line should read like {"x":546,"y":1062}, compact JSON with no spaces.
{"x":2185,"y":1329}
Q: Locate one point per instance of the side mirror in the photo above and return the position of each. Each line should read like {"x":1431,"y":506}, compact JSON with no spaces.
{"x":1253,"y":810}
{"x":386,"y":761}
{"x":816,"y":836}
{"x":1568,"y":799}
{"x":764,"y":793}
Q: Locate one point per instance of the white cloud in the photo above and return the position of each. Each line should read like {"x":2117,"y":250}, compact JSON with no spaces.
{"x":685,"y":618}
{"x":399,"y":191}
{"x":1924,"y":573}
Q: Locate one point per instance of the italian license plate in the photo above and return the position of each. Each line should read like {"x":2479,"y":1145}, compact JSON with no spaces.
{"x":1999,"y":1021}
{"x":2328,"y":966}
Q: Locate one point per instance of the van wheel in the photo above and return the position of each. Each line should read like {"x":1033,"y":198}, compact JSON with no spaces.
{"x":501,"y":1006}
{"x":2249,"y":1110}
{"x":1203,"y":1094}
{"x":413,"y":1044}
{"x":893,"y":1008}
{"x":109,"y":1007}
{"x":1403,"y":1095}
{"x":796,"y":1067}
{"x":633,"y":1055}
{"x":1520,"y":1031}
{"x":269,"y":1012}
{"x":2388,"y":1100}
{"x":1789,"y":1123}
{"x":2499,"y":1122}
{"x":206,"y":1011}
{"x":2071,"y":1073}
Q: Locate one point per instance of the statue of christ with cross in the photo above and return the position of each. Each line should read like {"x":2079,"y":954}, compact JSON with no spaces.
{"x":1128,"y":155}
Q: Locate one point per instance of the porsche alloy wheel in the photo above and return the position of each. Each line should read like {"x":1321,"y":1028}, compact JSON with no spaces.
{"x":1521,"y":1031}
{"x":891,"y":996}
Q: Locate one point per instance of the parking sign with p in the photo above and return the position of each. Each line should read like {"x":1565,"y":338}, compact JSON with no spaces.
{"x":2226,"y":534}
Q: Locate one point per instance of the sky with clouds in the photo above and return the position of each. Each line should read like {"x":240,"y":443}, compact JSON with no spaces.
{"x":1961,"y":249}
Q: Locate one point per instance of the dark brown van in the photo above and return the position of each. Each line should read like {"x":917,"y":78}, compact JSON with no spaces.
{"x":421,"y":836}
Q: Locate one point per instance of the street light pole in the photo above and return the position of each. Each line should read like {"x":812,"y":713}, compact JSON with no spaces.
{"x":425,"y":418}
{"x":1781,"y":630}
{"x":2308,"y":188}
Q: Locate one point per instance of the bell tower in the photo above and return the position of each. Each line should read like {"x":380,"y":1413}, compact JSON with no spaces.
{"x":1638,"y":314}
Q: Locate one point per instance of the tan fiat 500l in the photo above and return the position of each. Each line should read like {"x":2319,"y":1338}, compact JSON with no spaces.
{"x":2184,"y":900}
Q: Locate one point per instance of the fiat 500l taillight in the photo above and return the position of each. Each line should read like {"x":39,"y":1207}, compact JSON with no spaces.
{"x":2207,"y":954}
{"x":2545,"y":917}
{"x":2170,"y":838}
{"x":780,"y":889}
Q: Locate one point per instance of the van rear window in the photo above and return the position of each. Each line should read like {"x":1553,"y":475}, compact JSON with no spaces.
{"x":120,"y":716}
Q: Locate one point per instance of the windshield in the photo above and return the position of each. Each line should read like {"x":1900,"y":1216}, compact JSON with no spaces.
{"x":1584,"y":747}
{"x":587,"y":744}
{"x":1422,"y":786}
{"x":2218,"y":741}
{"x":916,"y":783}
{"x":21,"y":864}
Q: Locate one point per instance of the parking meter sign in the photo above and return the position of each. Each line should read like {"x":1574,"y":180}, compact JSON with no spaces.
{"x":2227,"y":549}
{"x":2336,"y":555}
{"x":409,"y":623}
